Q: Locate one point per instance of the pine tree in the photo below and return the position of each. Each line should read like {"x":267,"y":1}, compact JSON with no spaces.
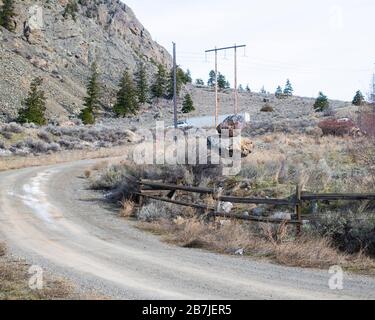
{"x":288,"y":90}
{"x":279,"y":92}
{"x":91,"y":102}
{"x":188,"y":78}
{"x":181,"y":79}
{"x":248,"y":89}
{"x":211,"y":79}
{"x":240,"y":88}
{"x":222,"y":82}
{"x":71,"y":9}
{"x":127,"y":102}
{"x":321,"y":103}
{"x":35,"y":105}
{"x":159,"y":87}
{"x":199,"y":82}
{"x":188,"y":105}
{"x":7,"y":14}
{"x":358,"y":98}
{"x":263,"y":90}
{"x":142,"y":85}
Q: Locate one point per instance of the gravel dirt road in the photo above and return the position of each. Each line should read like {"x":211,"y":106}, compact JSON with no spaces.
{"x":48,"y":216}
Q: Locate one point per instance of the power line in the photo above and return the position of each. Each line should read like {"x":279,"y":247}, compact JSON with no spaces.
{"x":216,"y":50}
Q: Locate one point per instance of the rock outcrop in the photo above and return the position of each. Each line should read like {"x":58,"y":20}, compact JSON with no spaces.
{"x":60,"y":48}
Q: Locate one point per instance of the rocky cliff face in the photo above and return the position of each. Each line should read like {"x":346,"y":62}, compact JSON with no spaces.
{"x":60,"y":47}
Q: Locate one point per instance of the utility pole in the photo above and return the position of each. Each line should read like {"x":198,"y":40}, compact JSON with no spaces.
{"x":216,"y":92}
{"x":235,"y":82}
{"x":174,"y":85}
{"x":216,"y":50}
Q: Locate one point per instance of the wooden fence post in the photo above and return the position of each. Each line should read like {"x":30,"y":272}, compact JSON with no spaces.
{"x":298,"y":210}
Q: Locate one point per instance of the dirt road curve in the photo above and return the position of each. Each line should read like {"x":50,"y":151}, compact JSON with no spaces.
{"x":48,"y":216}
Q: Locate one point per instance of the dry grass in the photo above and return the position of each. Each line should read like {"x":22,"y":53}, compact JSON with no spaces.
{"x":275,"y":244}
{"x":2,"y":249}
{"x":14,"y":283}
{"x":87,"y":173}
{"x":14,"y":279}
{"x":18,"y":162}
{"x":127,"y":209}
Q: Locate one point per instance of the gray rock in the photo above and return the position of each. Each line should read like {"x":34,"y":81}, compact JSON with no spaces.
{"x":61,"y":50}
{"x":240,"y":252}
{"x":258,"y":211}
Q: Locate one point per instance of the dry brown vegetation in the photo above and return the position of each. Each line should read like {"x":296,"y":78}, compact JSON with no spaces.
{"x":127,"y":209}
{"x":17,"y":162}
{"x":14,"y":279}
{"x":264,"y":241}
{"x":342,"y":233}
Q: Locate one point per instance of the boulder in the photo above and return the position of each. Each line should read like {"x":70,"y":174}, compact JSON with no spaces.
{"x":225,"y":147}
{"x":247,"y":147}
{"x":226,"y":207}
{"x":282,"y":216}
{"x":231,"y":123}
{"x":131,"y":137}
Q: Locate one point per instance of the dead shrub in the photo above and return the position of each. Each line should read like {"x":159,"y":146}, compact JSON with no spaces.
{"x":275,"y":234}
{"x":2,"y":248}
{"x":337,"y":127}
{"x":267,"y":108}
{"x":308,"y":252}
{"x":87,"y":173}
{"x":127,"y":209}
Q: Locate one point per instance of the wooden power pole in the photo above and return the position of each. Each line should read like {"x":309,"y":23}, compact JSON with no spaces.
{"x":174,"y":85}
{"x":216,"y":50}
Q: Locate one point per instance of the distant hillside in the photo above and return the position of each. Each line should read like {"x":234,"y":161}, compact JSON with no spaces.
{"x":61,"y":49}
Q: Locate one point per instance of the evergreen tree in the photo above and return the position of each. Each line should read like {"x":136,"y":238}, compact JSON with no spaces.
{"x":288,"y":90}
{"x":221,"y":81}
{"x":159,"y":87}
{"x":358,"y":98}
{"x":263,"y":90}
{"x":91,"y":101}
{"x":188,"y":105}
{"x":279,"y":92}
{"x":71,"y":9}
{"x":142,"y":85}
{"x":127,"y":102}
{"x":181,"y":79}
{"x":248,"y":89}
{"x":321,"y":103}
{"x":240,"y":88}
{"x":211,"y":79}
{"x":199,"y":82}
{"x":35,"y":105}
{"x":188,"y":78}
{"x":7,"y":14}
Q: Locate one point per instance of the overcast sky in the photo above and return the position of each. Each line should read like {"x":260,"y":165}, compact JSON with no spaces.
{"x":323,"y":45}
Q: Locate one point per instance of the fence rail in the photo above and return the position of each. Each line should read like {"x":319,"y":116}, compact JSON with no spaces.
{"x":296,"y":200}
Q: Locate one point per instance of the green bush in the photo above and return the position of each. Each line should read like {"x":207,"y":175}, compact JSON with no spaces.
{"x":350,"y":232}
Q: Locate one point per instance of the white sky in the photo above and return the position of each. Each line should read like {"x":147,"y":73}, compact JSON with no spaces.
{"x":323,"y":45}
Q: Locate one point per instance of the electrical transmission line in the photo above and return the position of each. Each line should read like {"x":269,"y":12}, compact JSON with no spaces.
{"x":216,"y":50}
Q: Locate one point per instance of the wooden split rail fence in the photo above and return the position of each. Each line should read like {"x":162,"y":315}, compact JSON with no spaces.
{"x":148,"y":189}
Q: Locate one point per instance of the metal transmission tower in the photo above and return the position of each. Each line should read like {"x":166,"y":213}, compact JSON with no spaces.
{"x":216,"y":50}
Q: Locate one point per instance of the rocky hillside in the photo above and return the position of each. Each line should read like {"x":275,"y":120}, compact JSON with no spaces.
{"x":61,"y":47}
